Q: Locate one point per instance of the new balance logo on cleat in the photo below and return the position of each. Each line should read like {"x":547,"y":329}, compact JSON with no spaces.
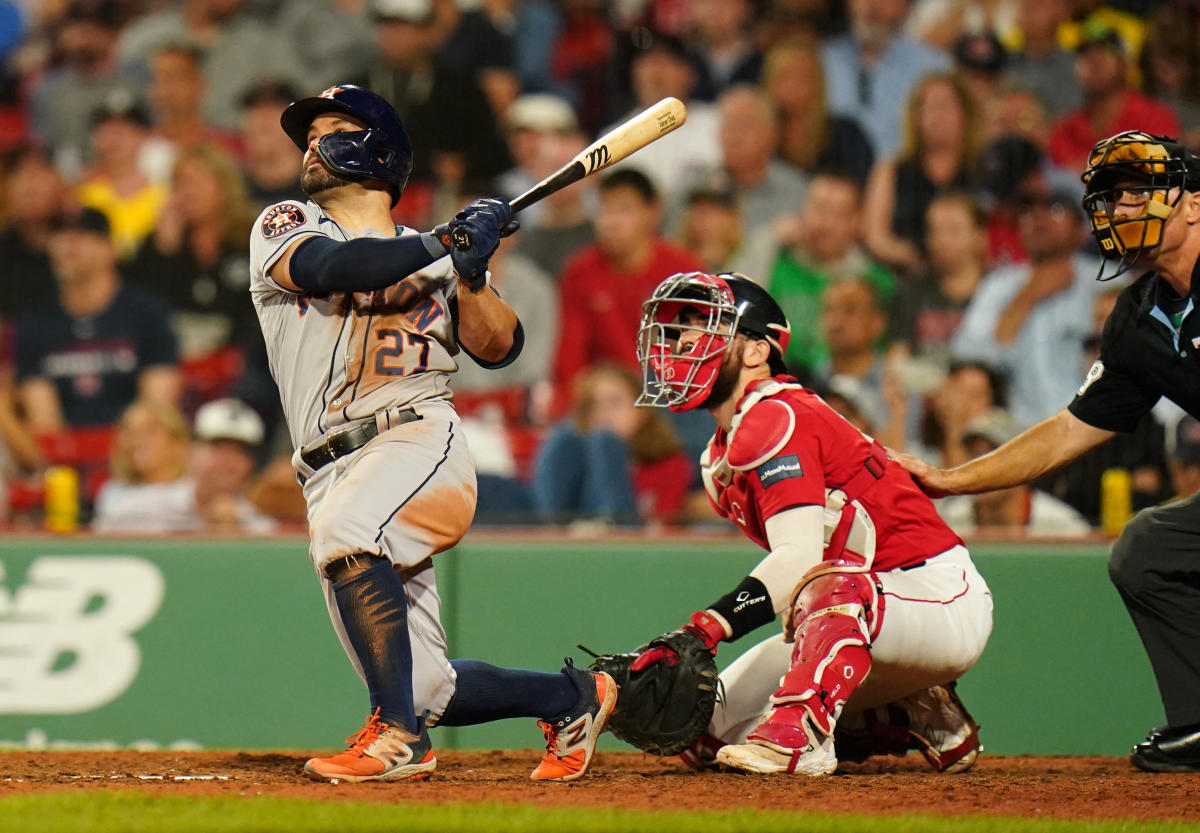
{"x":571,"y":740}
{"x":379,"y":751}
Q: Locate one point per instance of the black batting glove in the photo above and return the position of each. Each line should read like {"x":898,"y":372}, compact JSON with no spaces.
{"x":475,"y":233}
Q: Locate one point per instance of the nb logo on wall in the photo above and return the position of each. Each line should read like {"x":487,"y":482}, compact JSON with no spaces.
{"x":66,"y":633}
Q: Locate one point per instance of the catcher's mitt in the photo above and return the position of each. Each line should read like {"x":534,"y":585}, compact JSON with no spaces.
{"x":663,"y":708}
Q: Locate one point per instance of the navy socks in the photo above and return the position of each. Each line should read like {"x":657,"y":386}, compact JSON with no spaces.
{"x":374,"y":610}
{"x":488,"y":692}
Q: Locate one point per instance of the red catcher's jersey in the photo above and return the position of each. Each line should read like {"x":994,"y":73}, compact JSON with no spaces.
{"x":813,"y":453}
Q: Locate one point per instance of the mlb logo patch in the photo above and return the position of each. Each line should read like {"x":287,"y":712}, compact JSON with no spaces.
{"x":777,"y":469}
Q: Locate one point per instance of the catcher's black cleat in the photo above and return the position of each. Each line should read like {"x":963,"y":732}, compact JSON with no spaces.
{"x":1169,"y":750}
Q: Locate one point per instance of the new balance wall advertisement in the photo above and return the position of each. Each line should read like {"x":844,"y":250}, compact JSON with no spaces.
{"x":226,"y":644}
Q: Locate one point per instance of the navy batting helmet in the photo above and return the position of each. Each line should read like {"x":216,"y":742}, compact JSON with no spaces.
{"x":382,"y":151}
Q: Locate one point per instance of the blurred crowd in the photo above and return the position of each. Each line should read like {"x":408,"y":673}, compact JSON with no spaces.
{"x":902,"y":175}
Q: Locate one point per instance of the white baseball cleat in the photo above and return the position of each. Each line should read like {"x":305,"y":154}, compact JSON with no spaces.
{"x":942,"y":728}
{"x":755,"y":756}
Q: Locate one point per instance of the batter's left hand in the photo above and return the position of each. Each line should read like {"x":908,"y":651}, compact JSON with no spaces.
{"x":475,"y":233}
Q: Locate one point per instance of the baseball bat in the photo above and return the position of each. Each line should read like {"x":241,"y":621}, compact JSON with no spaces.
{"x":647,"y":126}
{"x":626,"y":138}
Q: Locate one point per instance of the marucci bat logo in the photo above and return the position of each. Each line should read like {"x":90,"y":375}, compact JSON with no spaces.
{"x":598,"y":157}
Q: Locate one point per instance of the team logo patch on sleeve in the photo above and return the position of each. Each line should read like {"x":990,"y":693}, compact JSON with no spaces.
{"x":783,"y":467}
{"x":282,"y":219}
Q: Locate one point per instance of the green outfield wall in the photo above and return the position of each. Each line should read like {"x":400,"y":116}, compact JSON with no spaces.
{"x":226,"y":643}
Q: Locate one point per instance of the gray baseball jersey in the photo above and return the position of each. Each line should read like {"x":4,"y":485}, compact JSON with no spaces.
{"x":409,"y":492}
{"x":346,"y":356}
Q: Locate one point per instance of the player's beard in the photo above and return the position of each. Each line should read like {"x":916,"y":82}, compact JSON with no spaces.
{"x":728,"y":376}
{"x":318,"y":178}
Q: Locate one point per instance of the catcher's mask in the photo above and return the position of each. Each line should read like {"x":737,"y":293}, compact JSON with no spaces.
{"x":681,"y":377}
{"x":382,"y":151}
{"x":1129,"y":182}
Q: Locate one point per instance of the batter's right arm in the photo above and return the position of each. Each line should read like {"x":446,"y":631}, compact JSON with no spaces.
{"x":1044,"y":448}
{"x":319,"y":265}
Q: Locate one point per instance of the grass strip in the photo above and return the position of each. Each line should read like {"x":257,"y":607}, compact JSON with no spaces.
{"x":133,"y":812}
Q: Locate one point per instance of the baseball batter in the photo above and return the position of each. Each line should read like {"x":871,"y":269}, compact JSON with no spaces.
{"x":880,"y":601}
{"x":363,"y":321}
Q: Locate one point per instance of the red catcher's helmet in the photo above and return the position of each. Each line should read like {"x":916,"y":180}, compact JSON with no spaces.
{"x":681,"y":378}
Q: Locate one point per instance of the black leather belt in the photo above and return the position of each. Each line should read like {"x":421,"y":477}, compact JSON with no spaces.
{"x":352,"y":437}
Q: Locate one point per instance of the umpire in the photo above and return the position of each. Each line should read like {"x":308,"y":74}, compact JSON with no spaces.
{"x":1143,"y":200}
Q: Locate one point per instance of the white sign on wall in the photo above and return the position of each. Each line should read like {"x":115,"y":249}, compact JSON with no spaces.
{"x":66,"y":634}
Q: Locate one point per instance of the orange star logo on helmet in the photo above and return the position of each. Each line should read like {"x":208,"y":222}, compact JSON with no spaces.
{"x":331,"y":92}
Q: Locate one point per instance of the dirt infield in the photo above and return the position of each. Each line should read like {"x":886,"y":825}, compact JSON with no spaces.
{"x":1064,"y":788}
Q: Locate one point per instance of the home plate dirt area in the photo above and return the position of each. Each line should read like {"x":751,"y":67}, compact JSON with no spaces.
{"x":1063,"y":788}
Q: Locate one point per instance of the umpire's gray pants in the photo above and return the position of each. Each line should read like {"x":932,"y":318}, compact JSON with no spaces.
{"x":1155,"y":565}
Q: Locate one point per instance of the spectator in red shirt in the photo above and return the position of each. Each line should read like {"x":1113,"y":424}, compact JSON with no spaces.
{"x":604,"y":284}
{"x":1110,"y":105}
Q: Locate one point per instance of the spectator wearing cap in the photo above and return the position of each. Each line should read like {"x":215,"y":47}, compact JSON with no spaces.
{"x":661,"y":66}
{"x":85,"y":356}
{"x":117,"y":183}
{"x":1042,"y":65}
{"x":227,"y":435}
{"x":813,"y":137}
{"x":871,"y":71}
{"x":1022,"y":509}
{"x":239,"y":47}
{"x":270,"y":161}
{"x":542,"y":134}
{"x":167,"y":479}
{"x":1013,"y":166}
{"x":86,"y":71}
{"x":1109,"y":106}
{"x":1031,"y":319}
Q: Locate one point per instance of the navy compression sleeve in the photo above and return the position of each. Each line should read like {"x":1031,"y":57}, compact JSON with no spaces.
{"x":321,"y":265}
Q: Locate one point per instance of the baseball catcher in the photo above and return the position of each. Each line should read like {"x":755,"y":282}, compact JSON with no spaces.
{"x":882,"y":609}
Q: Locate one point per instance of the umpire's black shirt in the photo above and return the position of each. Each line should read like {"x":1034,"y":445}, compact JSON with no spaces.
{"x":1144,"y":355}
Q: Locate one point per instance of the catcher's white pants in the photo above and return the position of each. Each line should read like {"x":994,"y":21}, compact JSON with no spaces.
{"x":405,"y":495}
{"x":936,"y":622}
